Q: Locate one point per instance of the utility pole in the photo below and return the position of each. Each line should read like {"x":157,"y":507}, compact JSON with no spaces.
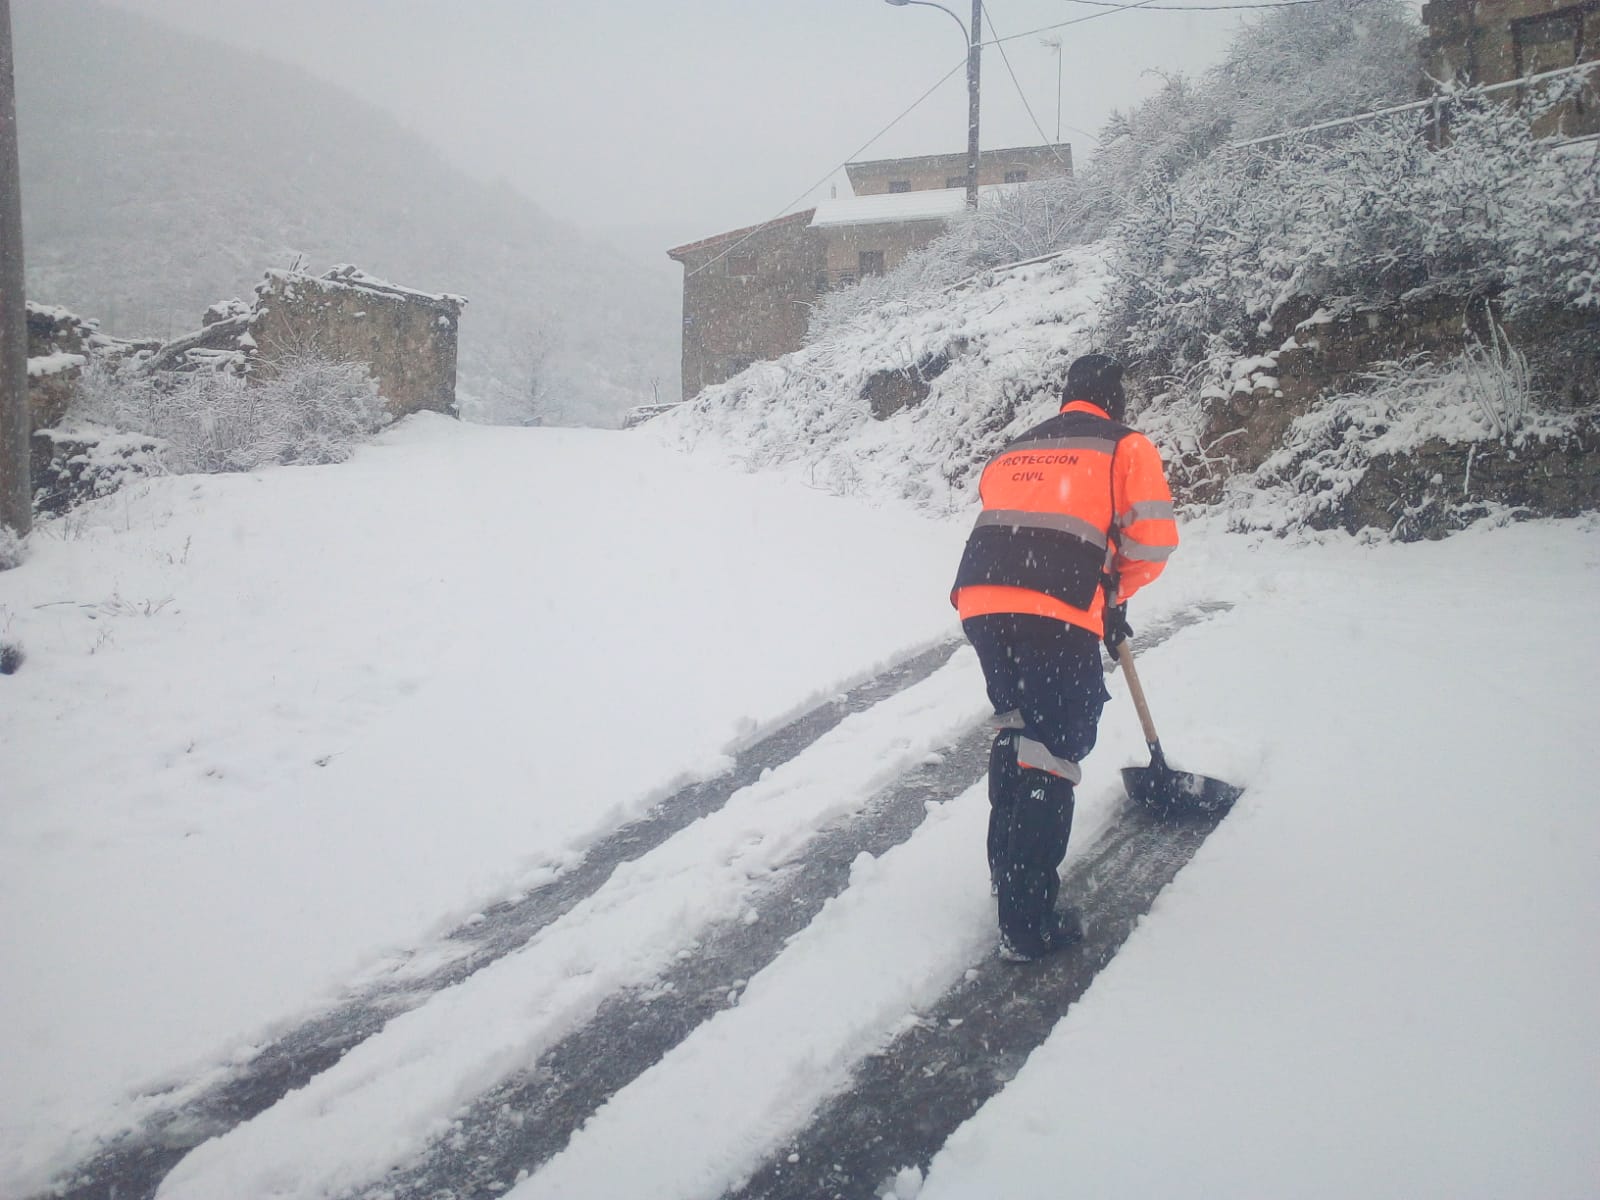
{"x":16,"y":502}
{"x":974,"y":50}
{"x":973,"y":34}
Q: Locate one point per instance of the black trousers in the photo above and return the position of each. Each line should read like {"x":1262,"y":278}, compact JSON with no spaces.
{"x":1050,"y":673}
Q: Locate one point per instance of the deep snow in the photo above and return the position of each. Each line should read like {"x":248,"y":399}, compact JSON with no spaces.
{"x":274,"y":730}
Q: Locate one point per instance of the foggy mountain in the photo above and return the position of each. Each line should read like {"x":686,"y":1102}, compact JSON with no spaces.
{"x":162,"y":173}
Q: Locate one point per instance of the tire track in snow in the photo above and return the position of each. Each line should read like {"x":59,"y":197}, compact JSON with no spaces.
{"x":904,"y":1102}
{"x":134,"y":1164}
{"x":528,"y":1118}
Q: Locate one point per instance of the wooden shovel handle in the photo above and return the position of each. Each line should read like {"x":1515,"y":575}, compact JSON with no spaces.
{"x":1125,"y":657}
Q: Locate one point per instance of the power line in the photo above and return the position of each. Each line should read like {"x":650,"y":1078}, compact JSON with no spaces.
{"x":1108,"y":8}
{"x":1021,"y":95}
{"x":832,"y":170}
{"x":1198,"y":7}
{"x":999,"y":44}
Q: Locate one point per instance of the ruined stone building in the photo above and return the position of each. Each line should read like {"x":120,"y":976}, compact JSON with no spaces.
{"x":747,"y":293}
{"x":405,"y":338}
{"x":1496,"y":41}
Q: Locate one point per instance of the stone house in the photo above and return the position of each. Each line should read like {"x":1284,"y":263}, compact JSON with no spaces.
{"x":747,"y":293}
{"x":1496,"y":41}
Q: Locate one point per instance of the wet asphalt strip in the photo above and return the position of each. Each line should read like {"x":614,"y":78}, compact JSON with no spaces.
{"x":133,"y":1165}
{"x":531,"y":1115}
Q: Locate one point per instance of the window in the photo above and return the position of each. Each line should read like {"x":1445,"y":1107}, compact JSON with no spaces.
{"x":1019,"y":175}
{"x":955,"y":181}
{"x":899,"y":185}
{"x":742,"y":262}
{"x":870,"y":262}
{"x":1546,"y":43}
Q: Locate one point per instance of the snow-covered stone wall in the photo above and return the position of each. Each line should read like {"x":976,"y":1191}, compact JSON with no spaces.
{"x":57,"y":350}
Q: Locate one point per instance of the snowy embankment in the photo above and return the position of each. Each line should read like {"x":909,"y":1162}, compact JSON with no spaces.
{"x":1376,"y":978}
{"x":984,"y":348}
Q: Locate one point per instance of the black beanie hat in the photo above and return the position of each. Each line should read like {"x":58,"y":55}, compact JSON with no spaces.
{"x":1097,"y":378}
{"x":1094,"y":377}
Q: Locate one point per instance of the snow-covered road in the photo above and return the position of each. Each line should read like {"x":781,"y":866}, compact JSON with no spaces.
{"x":279,"y":733}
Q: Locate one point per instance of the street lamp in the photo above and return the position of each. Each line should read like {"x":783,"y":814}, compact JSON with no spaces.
{"x":972,"y":35}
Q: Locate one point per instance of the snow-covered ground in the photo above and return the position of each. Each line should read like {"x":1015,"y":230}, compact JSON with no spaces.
{"x":276,"y":730}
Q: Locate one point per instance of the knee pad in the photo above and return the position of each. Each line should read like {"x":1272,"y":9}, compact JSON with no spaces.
{"x":1034,"y":755}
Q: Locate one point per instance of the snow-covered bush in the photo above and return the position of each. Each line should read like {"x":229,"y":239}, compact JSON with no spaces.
{"x":319,"y":409}
{"x":1315,"y":62}
{"x":1497,"y":377}
{"x":1370,"y":216}
{"x":302,"y":409}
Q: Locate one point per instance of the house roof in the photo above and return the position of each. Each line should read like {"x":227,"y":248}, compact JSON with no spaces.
{"x":891,"y":207}
{"x":797,"y":218}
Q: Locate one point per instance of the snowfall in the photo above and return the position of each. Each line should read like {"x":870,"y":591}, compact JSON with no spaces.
{"x":279,"y":732}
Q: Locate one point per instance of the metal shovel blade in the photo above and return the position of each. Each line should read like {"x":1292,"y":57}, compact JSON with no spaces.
{"x":1159,"y":787}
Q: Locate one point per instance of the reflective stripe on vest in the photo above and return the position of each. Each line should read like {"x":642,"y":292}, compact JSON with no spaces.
{"x":1146,"y":510}
{"x":1047,"y":511}
{"x":1018,"y":518}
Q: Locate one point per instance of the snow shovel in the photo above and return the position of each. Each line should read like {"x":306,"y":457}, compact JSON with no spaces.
{"x":1158,"y":786}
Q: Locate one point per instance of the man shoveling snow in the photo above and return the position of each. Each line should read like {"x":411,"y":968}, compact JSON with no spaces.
{"x":1077,"y":517}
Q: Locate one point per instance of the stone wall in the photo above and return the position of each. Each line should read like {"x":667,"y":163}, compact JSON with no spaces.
{"x":1444,"y":486}
{"x":57,"y":352}
{"x":1441,"y":486}
{"x":406,"y":338}
{"x":890,"y":240}
{"x":1322,"y":352}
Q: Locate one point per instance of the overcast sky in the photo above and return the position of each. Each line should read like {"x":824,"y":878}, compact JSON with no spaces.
{"x":669,"y":120}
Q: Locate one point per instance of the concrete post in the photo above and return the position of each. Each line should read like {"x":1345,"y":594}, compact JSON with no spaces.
{"x":974,"y":50}
{"x":16,"y":498}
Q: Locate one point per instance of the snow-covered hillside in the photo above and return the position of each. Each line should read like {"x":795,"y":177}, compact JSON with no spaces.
{"x":990,"y":353}
{"x":162,"y":173}
{"x":277,"y":733}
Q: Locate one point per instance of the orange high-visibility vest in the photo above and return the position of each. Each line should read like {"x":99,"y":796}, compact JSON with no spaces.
{"x":1069,"y":503}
